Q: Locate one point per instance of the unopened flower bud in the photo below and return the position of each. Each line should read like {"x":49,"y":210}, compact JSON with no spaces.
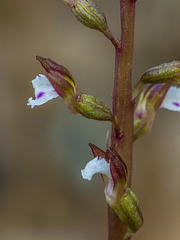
{"x":164,"y":73}
{"x":90,"y":15}
{"x":92,"y":108}
{"x":129,"y":211}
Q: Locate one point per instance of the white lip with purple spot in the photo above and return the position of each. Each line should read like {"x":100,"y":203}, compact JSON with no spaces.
{"x":40,"y":94}
{"x":172,"y":99}
{"x":43,"y":91}
{"x":99,"y":165}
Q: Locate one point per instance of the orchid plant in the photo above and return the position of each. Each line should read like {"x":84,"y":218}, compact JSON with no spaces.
{"x":133,"y":111}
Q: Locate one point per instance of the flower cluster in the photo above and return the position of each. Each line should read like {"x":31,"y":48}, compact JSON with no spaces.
{"x":150,"y":95}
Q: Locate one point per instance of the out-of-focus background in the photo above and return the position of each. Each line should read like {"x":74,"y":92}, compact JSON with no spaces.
{"x":42,"y":150}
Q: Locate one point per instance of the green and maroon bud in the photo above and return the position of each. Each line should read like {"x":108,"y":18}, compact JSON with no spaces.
{"x":90,"y":15}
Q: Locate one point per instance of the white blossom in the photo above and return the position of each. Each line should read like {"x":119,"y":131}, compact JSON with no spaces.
{"x":99,"y":165}
{"x":44,"y":91}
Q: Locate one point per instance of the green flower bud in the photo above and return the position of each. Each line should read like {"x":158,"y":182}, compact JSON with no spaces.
{"x":164,"y":73}
{"x":90,"y":15}
{"x":129,"y":211}
{"x":92,"y":108}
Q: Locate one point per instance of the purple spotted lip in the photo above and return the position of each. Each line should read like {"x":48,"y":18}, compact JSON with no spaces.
{"x":176,"y":104}
{"x":40,"y":94}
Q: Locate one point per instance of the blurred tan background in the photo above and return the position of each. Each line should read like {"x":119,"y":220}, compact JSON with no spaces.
{"x":42,"y":150}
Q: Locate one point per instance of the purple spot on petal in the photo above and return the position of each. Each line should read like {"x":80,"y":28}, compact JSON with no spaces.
{"x":176,"y":104}
{"x":100,"y":158}
{"x":40,"y":94}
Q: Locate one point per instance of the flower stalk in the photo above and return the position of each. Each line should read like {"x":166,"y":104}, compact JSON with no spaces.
{"x":159,"y":87}
{"x":122,"y":133}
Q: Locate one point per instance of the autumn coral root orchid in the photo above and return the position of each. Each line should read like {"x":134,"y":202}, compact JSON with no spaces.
{"x":58,"y":81}
{"x":133,"y":110}
{"x":114,"y":173}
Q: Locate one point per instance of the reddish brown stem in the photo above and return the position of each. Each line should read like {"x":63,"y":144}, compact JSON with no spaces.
{"x":122,"y":133}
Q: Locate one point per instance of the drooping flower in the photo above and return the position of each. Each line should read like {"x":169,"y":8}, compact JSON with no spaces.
{"x":58,"y":81}
{"x":113,"y":171}
{"x":121,"y":198}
